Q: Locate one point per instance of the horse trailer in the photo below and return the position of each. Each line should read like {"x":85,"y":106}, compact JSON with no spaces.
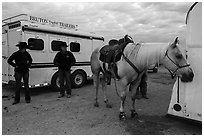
{"x":44,"y":36}
{"x":186,"y":99}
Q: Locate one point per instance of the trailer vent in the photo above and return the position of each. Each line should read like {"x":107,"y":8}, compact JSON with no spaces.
{"x":15,"y":25}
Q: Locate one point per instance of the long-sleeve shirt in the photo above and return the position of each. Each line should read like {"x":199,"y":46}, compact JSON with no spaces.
{"x":64,"y":60}
{"x":21,"y":61}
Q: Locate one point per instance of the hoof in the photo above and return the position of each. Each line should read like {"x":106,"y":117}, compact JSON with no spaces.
{"x":134,"y":114}
{"x":122,"y":116}
{"x":108,"y":106}
{"x":96,"y":104}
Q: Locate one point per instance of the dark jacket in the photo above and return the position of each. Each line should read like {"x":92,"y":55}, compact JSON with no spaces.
{"x":22,"y":61}
{"x":64,"y":61}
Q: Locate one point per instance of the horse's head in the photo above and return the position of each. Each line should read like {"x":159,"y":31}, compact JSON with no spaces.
{"x":175,"y":62}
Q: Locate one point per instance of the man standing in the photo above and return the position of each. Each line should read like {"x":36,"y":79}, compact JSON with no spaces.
{"x":22,"y":63}
{"x":64,"y":60}
{"x":143,"y":86}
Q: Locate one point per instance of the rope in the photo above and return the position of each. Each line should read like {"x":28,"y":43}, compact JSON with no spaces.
{"x":178,"y":91}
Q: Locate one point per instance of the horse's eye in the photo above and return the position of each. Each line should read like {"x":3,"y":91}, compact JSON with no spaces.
{"x":179,"y":56}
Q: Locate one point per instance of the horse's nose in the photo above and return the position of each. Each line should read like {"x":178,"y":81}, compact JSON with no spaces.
{"x":191,"y":75}
{"x":187,"y":77}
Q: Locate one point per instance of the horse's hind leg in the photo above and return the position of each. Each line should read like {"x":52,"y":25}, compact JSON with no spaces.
{"x":104,"y":88}
{"x":95,"y":68}
{"x":96,"y":85}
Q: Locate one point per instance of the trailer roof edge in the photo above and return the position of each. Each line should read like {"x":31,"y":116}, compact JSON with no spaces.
{"x":190,"y":11}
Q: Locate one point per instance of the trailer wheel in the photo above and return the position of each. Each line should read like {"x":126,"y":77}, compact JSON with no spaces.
{"x":78,"y":78}
{"x":55,"y":81}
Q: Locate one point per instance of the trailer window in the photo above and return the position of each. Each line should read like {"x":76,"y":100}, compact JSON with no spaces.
{"x":55,"y":45}
{"x":74,"y":47}
{"x":18,"y":24}
{"x":36,"y":44}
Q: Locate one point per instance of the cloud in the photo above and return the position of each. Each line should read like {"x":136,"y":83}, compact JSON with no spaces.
{"x":149,"y":22}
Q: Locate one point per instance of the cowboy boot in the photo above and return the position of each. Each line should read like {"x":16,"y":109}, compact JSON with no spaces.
{"x":145,"y":96}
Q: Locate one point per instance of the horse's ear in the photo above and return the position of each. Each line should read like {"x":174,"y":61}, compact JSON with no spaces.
{"x":175,"y":42}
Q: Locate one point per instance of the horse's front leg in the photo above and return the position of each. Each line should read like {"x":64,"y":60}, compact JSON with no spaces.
{"x":122,"y":114}
{"x":104,"y":89}
{"x":123,"y":88}
{"x":133,"y":111}
{"x":134,"y":90}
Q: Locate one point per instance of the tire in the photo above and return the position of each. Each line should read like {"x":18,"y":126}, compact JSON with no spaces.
{"x":55,"y":81}
{"x":78,"y":78}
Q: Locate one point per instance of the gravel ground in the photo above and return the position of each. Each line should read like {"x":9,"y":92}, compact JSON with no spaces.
{"x":47,"y":114}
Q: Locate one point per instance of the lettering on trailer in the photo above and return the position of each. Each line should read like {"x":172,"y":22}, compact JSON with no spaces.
{"x":53,"y":23}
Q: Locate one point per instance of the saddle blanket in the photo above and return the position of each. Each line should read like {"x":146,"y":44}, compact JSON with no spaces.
{"x":135,"y":49}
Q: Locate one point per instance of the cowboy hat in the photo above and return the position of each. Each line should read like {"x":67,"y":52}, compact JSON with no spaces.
{"x":63,"y":44}
{"x":22,"y":45}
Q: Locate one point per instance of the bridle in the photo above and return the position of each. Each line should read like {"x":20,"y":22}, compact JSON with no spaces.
{"x":173,"y":73}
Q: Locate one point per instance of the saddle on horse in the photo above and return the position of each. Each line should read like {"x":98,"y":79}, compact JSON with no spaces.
{"x":112,"y":53}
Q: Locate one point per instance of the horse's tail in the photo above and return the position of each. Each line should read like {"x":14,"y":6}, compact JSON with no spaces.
{"x":94,"y":60}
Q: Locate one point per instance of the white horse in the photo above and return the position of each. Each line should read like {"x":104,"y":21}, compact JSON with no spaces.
{"x":168,"y":55}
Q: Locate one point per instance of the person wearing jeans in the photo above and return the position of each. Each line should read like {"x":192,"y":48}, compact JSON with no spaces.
{"x":143,"y":86}
{"x":64,"y":60}
{"x":22,"y":61}
{"x":65,"y":75}
{"x":18,"y":77}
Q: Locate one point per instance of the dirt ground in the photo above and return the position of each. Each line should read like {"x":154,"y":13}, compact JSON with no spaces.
{"x":47,"y":114}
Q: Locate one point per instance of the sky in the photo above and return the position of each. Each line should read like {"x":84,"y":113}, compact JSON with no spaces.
{"x":144,"y":21}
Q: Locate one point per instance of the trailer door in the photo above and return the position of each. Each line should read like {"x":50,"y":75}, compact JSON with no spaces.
{"x":5,"y":65}
{"x":14,"y":36}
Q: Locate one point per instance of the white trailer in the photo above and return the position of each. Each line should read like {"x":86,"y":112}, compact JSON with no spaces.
{"x":186,"y":100}
{"x":44,"y":36}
